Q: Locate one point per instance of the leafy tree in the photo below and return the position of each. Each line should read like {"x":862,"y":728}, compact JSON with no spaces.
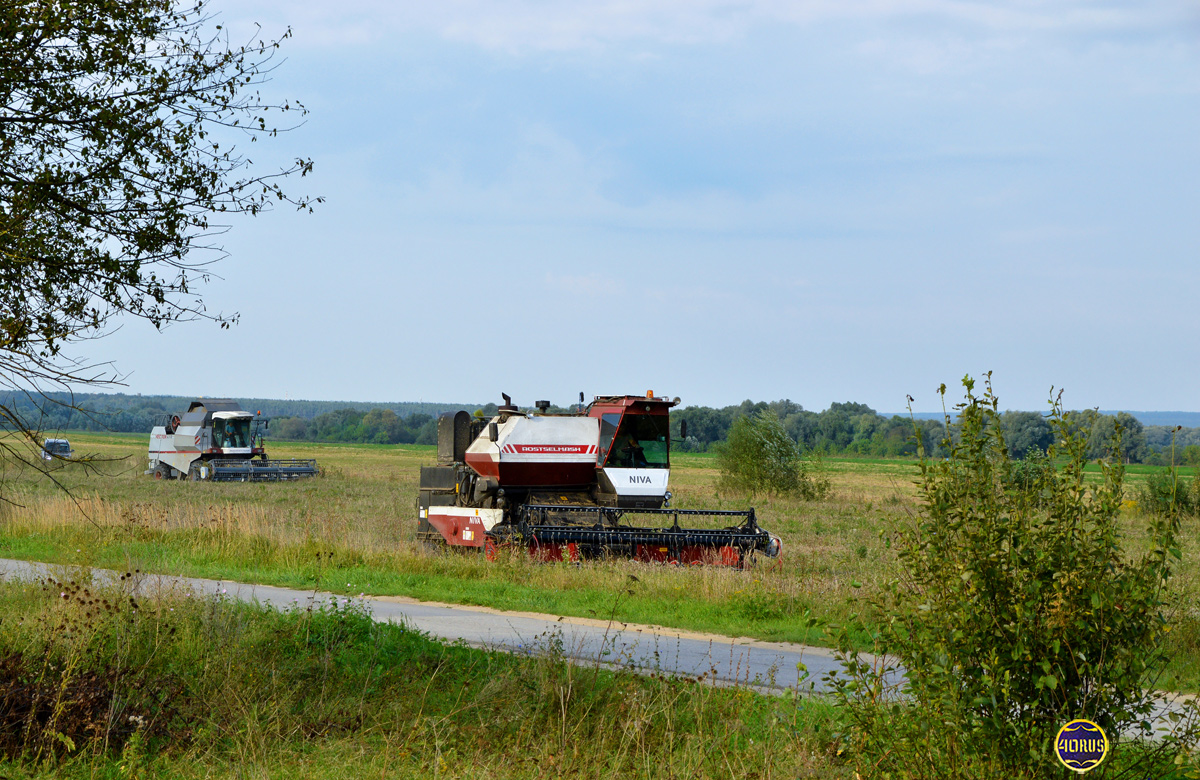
{"x":427,"y":434}
{"x":802,"y":426}
{"x":759,"y":456}
{"x":1100,"y":429}
{"x":835,"y":427}
{"x":1026,"y":431}
{"x":851,"y":409}
{"x":749,"y":408}
{"x":121,"y":126}
{"x":1018,"y":610}
{"x":1133,"y":437}
{"x":289,"y":428}
{"x":706,"y":425}
{"x":785,"y":407}
{"x":338,"y":425}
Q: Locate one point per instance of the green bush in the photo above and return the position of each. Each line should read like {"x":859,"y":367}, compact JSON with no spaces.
{"x":760,"y":457}
{"x":1032,"y":474}
{"x":1018,"y":610}
{"x":1165,"y":493}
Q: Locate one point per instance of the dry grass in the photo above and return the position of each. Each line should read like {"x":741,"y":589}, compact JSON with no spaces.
{"x":99,"y":680}
{"x":353,"y":529}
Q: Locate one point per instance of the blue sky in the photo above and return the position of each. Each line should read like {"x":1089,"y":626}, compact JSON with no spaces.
{"x":823,"y":201}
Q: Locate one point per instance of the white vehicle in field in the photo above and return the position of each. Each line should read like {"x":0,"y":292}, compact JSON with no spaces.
{"x":215,"y":439}
{"x":59,"y":449}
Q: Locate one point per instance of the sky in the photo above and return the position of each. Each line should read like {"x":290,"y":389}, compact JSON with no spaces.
{"x":842,"y":200}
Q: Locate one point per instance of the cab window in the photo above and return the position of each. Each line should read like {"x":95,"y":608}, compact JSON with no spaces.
{"x":234,"y":432}
{"x":640,"y":442}
{"x":608,"y":429}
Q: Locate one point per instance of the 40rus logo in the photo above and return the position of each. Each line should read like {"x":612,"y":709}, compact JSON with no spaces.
{"x":1081,"y":745}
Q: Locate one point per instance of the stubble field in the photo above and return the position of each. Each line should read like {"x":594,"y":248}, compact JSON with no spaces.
{"x":352,"y":531}
{"x":239,"y":692}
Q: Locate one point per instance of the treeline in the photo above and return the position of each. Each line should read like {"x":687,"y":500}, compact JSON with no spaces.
{"x":377,"y":426}
{"x":856,"y":429}
{"x":94,"y":412}
{"x":842,"y":429}
{"x":374,"y":426}
{"x":124,"y":413}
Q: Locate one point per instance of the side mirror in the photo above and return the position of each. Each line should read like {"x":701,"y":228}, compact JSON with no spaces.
{"x":493,"y":431}
{"x":266,"y":425}
{"x":683,"y":429}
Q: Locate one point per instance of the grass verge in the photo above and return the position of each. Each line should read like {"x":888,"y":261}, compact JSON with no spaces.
{"x":99,"y":682}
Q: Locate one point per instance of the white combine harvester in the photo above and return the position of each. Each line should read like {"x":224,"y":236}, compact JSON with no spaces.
{"x":215,"y":439}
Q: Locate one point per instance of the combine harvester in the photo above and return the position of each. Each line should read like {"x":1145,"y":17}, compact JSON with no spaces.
{"x":213,"y":440}
{"x":565,"y":485}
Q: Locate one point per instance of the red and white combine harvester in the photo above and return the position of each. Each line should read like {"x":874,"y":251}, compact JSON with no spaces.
{"x":565,"y":486}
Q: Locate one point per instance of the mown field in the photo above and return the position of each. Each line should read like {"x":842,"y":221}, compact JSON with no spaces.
{"x":352,"y":531}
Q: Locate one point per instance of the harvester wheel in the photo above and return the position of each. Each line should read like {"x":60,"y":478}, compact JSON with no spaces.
{"x":158,"y":473}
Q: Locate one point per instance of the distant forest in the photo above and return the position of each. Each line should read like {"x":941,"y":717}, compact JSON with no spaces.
{"x":139,"y":413}
{"x":842,"y":429}
{"x":856,"y":429}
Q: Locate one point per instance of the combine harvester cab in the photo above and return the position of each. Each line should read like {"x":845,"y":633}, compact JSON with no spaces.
{"x":216,"y":440}
{"x":568,"y":485}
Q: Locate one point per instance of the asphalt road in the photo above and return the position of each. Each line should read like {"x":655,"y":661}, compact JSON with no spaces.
{"x":767,"y":666}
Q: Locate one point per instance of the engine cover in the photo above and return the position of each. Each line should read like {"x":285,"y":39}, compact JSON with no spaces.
{"x":538,"y":452}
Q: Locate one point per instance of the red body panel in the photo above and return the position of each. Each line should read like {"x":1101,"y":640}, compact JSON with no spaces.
{"x":554,"y":552}
{"x":533,"y":474}
{"x":689,"y":554}
{"x":459,"y":531}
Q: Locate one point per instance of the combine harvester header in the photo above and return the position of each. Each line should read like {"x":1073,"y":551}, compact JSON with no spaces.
{"x":565,"y":486}
{"x":217,"y":440}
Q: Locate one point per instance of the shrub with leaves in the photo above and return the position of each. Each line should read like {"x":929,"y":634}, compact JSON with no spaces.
{"x":1018,"y":609}
{"x":1164,"y":493}
{"x":760,"y":457}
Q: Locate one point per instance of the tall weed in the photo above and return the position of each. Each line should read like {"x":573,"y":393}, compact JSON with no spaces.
{"x":1018,"y":610}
